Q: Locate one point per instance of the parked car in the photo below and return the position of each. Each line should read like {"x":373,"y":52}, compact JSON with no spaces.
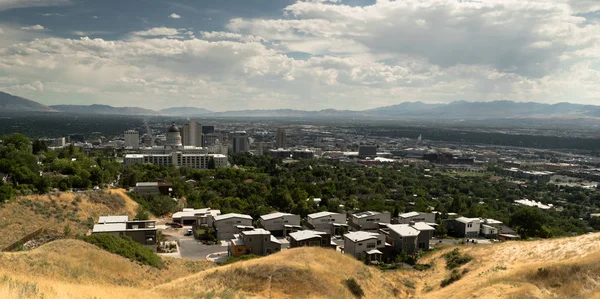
{"x":174,"y":224}
{"x":188,"y":232}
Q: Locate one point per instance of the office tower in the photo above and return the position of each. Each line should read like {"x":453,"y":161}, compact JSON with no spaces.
{"x":207,"y":130}
{"x":132,"y":139}
{"x":281,"y":138}
{"x":240,"y":142}
{"x":367,"y":150}
{"x":192,"y":134}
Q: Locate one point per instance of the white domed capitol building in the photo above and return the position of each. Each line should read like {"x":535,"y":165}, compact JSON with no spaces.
{"x":174,"y":153}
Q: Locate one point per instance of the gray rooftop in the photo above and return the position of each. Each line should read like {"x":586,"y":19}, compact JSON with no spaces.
{"x":306,"y":234}
{"x":274,"y":215}
{"x":113,"y":219}
{"x":321,"y":214}
{"x":109,"y":227}
{"x":404,"y":230}
{"x":361,"y":236}
{"x":256,"y":232}
{"x":232,"y":215}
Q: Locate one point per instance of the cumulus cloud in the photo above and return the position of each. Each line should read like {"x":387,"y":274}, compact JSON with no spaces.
{"x":34,"y":28}
{"x":324,"y":54}
{"x":10,"y":4}
{"x":174,"y":16}
{"x":158,"y":31}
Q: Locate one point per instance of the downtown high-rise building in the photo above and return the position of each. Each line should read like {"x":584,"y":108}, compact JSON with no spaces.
{"x":192,"y":134}
{"x":132,"y":139}
{"x":281,"y":138}
{"x":240,"y":142}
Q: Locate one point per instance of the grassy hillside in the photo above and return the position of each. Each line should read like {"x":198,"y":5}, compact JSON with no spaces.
{"x":72,"y":268}
{"x":79,"y":211}
{"x":295,"y":273}
{"x":557,"y":268}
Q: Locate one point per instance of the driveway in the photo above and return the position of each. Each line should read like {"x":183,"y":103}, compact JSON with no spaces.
{"x":189,"y":247}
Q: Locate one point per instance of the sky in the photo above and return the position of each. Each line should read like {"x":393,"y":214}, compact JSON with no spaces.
{"x":308,"y":54}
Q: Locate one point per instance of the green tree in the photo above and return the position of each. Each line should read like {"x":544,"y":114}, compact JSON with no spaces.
{"x":530,"y":222}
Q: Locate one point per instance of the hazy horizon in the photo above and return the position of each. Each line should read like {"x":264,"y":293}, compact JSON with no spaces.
{"x":308,"y":55}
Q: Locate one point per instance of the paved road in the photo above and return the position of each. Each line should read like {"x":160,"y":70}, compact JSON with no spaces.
{"x":189,"y":247}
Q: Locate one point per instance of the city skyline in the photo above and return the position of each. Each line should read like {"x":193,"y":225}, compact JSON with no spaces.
{"x":309,"y":55}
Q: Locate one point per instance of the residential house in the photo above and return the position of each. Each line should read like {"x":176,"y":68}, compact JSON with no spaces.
{"x":331,"y":223}
{"x":258,"y":241}
{"x":141,"y":231}
{"x":463,"y":227}
{"x":368,"y":245}
{"x":490,"y":228}
{"x":406,"y":218}
{"x":311,"y":238}
{"x":153,"y":188}
{"x":227,"y":225}
{"x":369,"y":221}
{"x":403,"y":237}
{"x":199,"y":217}
{"x":280,"y":224}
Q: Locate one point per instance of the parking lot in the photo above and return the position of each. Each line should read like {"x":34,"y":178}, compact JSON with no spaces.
{"x":189,"y":247}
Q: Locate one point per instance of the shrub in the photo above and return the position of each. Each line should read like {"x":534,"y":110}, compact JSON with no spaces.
{"x":454,"y":276}
{"x":354,"y":287}
{"x":455,"y":259}
{"x":246,"y":257}
{"x":422,"y":267}
{"x":125,"y":247}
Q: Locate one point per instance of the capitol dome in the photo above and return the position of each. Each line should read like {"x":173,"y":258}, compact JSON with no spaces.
{"x":173,"y":129}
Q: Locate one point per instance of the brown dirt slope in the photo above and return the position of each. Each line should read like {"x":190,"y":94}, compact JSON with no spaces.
{"x":27,"y":214}
{"x":557,"y":268}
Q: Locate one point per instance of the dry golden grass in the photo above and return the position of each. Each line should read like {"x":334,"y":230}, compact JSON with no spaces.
{"x":294,"y":273}
{"x":510,"y":270}
{"x":27,"y":214}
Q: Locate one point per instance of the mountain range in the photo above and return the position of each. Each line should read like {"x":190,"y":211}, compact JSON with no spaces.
{"x":406,"y":110}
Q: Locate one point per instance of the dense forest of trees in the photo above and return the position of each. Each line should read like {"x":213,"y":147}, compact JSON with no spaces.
{"x":260,"y":184}
{"x":29,"y":167}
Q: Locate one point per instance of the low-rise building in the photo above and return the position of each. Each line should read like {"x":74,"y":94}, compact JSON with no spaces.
{"x":153,"y":188}
{"x":368,"y":245}
{"x":200,"y":217}
{"x":490,"y":228}
{"x":280,"y":224}
{"x":369,"y":221}
{"x":463,"y":227}
{"x":406,"y":218}
{"x":311,"y":238}
{"x":410,"y":237}
{"x":332,"y":223}
{"x":227,"y":225}
{"x":257,"y":241}
{"x":141,"y":231}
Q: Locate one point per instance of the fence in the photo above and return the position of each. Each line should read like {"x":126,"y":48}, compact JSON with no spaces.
{"x":23,"y":240}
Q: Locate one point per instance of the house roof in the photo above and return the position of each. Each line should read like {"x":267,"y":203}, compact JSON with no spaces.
{"x":109,"y":227}
{"x":361,"y":236}
{"x":113,"y":219}
{"x":256,"y":232}
{"x":274,"y":240}
{"x":274,"y":216}
{"x":232,"y":215}
{"x":374,"y":251}
{"x":492,"y":221}
{"x":306,"y":234}
{"x":365,"y":214}
{"x":409,"y":214}
{"x":147,"y":184}
{"x":466,"y":220}
{"x":190,"y":213}
{"x":321,"y":214}
{"x":404,"y":230}
{"x":238,"y":242}
{"x":422,"y":226}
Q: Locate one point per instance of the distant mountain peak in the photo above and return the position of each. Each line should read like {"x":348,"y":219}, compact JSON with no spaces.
{"x":11,"y":103}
